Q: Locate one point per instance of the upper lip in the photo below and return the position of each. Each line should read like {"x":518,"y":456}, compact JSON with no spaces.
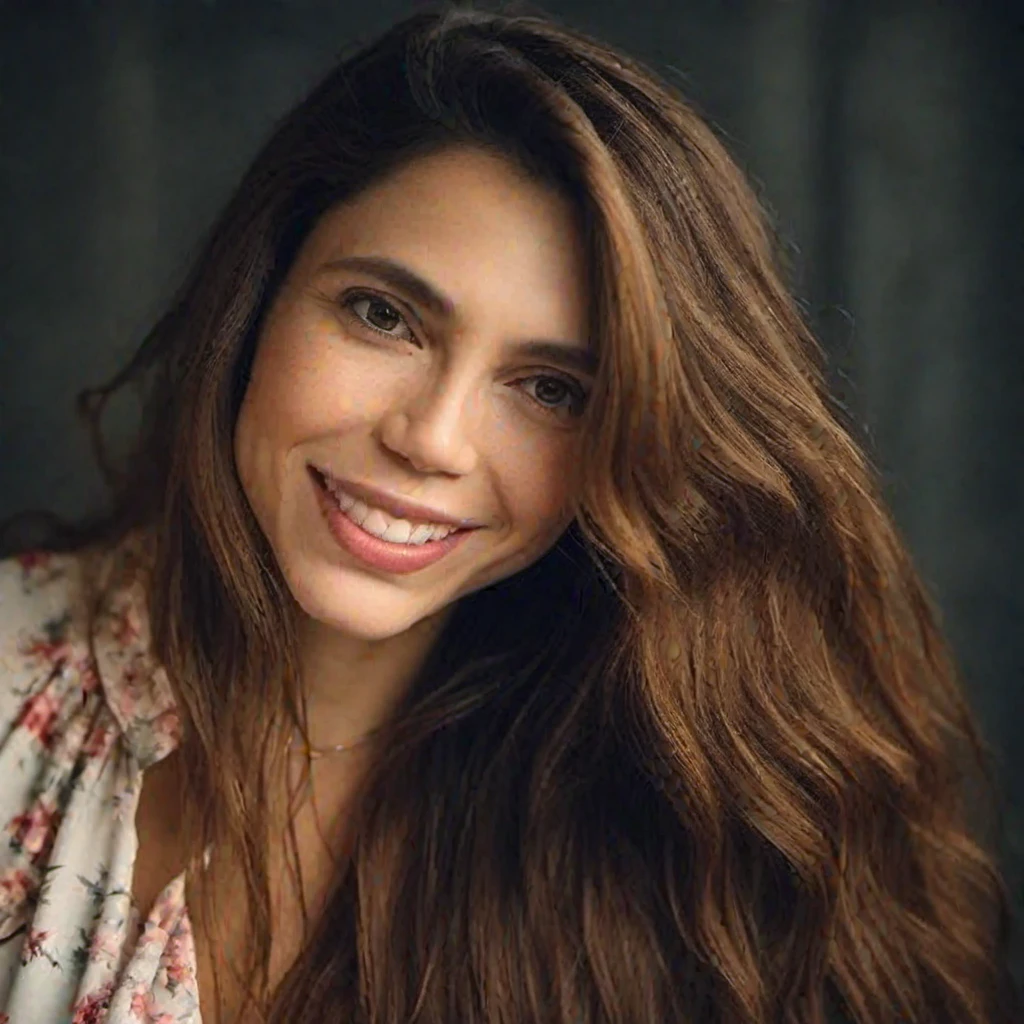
{"x":396,"y":505}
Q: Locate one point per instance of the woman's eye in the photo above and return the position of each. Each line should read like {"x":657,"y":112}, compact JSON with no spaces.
{"x":378,"y":314}
{"x":557,"y":395}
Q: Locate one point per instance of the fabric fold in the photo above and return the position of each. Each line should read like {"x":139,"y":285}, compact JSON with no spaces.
{"x":79,"y":724}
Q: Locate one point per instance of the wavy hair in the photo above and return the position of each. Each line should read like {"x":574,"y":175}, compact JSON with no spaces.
{"x":707,"y":760}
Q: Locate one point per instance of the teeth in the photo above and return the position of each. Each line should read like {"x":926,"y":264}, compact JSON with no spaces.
{"x":380,"y":524}
{"x":421,"y":534}
{"x":345,"y":501}
{"x":358,"y":512}
{"x":376,"y":523}
{"x":398,"y":532}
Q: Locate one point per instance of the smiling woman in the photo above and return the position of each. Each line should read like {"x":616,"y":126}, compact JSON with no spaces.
{"x":401,"y":361}
{"x":495,"y":621}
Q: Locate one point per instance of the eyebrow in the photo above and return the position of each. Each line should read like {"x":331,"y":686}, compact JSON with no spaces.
{"x":400,"y":277}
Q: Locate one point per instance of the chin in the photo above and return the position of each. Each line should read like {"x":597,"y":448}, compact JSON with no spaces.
{"x":355,"y":604}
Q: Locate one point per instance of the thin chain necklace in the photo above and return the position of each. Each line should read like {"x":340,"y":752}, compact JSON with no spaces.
{"x":315,"y":753}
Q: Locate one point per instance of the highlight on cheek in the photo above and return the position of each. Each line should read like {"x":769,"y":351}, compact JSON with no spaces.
{"x":326,"y":324}
{"x":321,"y":327}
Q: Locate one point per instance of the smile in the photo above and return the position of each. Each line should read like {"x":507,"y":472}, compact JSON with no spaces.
{"x":379,"y":539}
{"x":377,"y":522}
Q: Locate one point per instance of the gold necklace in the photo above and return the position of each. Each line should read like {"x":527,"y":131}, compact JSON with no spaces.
{"x":315,"y":753}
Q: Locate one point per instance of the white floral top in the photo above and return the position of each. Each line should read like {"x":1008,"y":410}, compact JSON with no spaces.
{"x":77,"y":729}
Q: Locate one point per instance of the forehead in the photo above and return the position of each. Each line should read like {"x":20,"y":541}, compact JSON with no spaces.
{"x":462,"y":181}
{"x":478,"y":226}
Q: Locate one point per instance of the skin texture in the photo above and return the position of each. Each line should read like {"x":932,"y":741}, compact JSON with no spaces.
{"x":445,"y":409}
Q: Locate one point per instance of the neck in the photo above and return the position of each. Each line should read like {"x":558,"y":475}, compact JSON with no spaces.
{"x":353,"y":686}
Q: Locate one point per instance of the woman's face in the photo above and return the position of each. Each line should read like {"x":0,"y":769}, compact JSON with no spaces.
{"x":425,"y":360}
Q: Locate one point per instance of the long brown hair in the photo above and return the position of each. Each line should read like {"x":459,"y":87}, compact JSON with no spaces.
{"x":706,"y":761}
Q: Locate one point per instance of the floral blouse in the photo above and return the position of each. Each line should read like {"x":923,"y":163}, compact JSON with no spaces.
{"x":77,"y":730}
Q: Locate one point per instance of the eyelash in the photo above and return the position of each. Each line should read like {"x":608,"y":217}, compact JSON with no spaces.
{"x":576,"y":392}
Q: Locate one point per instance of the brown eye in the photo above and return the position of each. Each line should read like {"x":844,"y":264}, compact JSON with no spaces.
{"x":551,"y":391}
{"x":559,"y":396}
{"x":378,"y":315}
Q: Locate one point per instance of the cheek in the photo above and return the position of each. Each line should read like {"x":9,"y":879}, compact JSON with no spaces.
{"x":538,"y":487}
{"x":285,"y":383}
{"x":254,"y":455}
{"x":301,"y":386}
{"x":540,"y":478}
{"x":278,"y":412}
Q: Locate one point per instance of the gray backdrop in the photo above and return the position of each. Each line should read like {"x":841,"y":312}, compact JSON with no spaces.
{"x":884,"y":136}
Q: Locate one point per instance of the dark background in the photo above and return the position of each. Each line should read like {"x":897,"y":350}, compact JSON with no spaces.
{"x":884,"y":137}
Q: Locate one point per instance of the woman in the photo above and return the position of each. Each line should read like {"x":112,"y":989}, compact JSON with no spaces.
{"x":494,"y":621}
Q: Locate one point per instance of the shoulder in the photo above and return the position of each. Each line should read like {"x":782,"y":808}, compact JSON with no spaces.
{"x":77,"y":623}
{"x":41,"y":625}
{"x":33,"y":585}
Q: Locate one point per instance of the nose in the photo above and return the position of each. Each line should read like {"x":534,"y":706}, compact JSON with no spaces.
{"x":431,"y":430}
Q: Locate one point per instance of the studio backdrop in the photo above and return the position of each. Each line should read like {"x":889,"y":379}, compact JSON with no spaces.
{"x":882,"y":136}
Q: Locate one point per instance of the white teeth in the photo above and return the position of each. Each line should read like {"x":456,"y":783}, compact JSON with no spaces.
{"x":422,"y":533}
{"x":398,"y":532}
{"x":376,"y":523}
{"x":384,"y":526}
{"x":345,"y":501}
{"x":358,"y":513}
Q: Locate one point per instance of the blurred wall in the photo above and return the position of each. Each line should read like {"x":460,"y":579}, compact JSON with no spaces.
{"x":884,"y":136}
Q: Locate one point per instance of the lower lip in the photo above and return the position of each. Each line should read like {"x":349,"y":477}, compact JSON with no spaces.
{"x":381,"y":554}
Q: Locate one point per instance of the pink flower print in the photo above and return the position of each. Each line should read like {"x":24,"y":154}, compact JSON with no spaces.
{"x":15,"y":888}
{"x":125,"y":626}
{"x":167,"y":727}
{"x":4,"y":1018}
{"x":143,"y":1006}
{"x":127,"y":694}
{"x":33,"y":830}
{"x":39,"y":716}
{"x":52,"y":646}
{"x":167,"y":905}
{"x":91,"y":1009}
{"x":28,"y":561}
{"x":88,"y":677}
{"x":104,"y":945}
{"x":99,"y":741}
{"x":142,"y":1002}
{"x":34,"y":947}
{"x":176,"y":962}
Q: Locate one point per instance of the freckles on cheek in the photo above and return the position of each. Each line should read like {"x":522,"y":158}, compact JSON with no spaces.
{"x":296,"y":387}
{"x":330,"y":382}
